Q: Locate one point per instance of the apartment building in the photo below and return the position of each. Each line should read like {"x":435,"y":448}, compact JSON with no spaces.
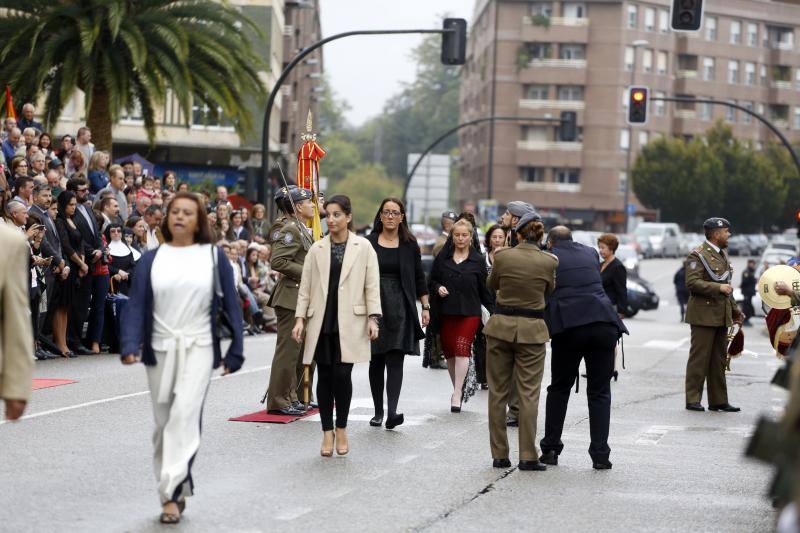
{"x":535,"y":59}
{"x":209,"y":148}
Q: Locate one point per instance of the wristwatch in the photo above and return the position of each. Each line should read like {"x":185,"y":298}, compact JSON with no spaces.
{"x":426,"y":307}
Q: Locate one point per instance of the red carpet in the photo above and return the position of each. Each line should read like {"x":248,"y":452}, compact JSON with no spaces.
{"x":44,"y":383}
{"x":263,"y":416}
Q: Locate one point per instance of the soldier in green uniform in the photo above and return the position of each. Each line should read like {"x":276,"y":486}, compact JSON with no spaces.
{"x":516,"y":335}
{"x":710,"y":312}
{"x":291,"y":241}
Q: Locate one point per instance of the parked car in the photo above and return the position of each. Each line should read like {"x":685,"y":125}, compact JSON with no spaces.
{"x":588,"y":238}
{"x":758,"y":243}
{"x":641,"y":296}
{"x":664,"y":238}
{"x":772,"y":257}
{"x":779,"y":244}
{"x":630,"y":240}
{"x":738,"y":245}
{"x":693,"y":240}
{"x":629,"y":257}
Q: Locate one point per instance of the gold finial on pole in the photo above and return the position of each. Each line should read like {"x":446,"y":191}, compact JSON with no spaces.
{"x":308,"y":135}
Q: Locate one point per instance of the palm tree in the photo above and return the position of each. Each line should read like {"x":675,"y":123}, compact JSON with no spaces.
{"x":127,"y":54}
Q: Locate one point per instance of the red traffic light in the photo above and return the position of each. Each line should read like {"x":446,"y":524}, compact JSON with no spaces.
{"x":797,"y":216}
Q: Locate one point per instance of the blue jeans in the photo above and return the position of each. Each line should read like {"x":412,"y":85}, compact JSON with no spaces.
{"x":100,"y":285}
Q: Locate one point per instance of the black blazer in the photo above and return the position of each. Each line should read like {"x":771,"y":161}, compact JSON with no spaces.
{"x":412,"y":276}
{"x":51,"y":244}
{"x":615,"y":283}
{"x":89,"y":231}
{"x":466,"y":284}
{"x":579,"y":298}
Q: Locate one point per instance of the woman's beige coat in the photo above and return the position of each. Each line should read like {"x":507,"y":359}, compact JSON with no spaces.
{"x":359,"y":296}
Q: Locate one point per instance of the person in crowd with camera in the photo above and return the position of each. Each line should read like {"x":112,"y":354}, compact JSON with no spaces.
{"x":338,"y":309}
{"x":583,"y":324}
{"x":402,"y":284}
{"x":516,"y":335}
{"x":182,"y":303}
{"x":615,"y":278}
{"x":291,"y":240}
{"x":458,"y":279}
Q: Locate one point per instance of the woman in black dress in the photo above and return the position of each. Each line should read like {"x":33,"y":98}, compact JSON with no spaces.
{"x":72,"y":248}
{"x":615,"y":278}
{"x":402,"y":284}
{"x":123,"y":259}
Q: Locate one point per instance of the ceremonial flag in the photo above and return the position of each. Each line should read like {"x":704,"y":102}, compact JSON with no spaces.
{"x":10,"y":104}
{"x":308,"y":173}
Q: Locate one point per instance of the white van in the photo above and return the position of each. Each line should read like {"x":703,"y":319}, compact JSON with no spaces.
{"x":664,"y":239}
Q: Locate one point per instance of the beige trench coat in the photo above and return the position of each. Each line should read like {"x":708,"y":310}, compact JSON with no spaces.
{"x":359,"y":296}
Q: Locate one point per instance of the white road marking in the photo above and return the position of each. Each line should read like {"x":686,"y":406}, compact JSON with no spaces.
{"x":409,"y":420}
{"x":662,"y":344}
{"x":654,"y":434}
{"x":123,"y":397}
{"x":291,"y":514}
{"x":405,"y":459}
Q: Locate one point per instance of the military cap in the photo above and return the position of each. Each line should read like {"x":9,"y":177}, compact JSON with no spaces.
{"x":518,"y":208}
{"x":298,"y":195}
{"x":451,"y":215}
{"x":527,"y":218}
{"x":282,"y":193}
{"x":716,"y":223}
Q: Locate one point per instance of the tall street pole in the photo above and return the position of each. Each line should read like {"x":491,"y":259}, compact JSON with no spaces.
{"x":636,"y":45}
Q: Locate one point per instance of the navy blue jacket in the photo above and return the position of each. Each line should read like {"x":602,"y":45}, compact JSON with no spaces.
{"x":579,"y":298}
{"x":137,"y":315}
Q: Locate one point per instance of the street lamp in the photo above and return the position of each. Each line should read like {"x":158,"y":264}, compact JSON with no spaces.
{"x":635,"y":44}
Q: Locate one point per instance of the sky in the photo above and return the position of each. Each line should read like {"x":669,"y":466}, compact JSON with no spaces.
{"x":367,"y":70}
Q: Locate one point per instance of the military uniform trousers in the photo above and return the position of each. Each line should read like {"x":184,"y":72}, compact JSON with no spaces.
{"x":595,"y":344}
{"x":514,"y":366}
{"x":707,"y":363}
{"x":286,"y":373}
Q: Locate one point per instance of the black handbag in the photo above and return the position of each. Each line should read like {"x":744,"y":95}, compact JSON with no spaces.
{"x":223,"y":325}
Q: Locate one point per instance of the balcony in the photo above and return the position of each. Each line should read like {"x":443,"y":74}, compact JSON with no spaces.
{"x":686,"y":74}
{"x":548,"y":186}
{"x":566,"y":105}
{"x":557,"y":63}
{"x":288,"y":30}
{"x":781,"y":45}
{"x":549,"y":145}
{"x":560,"y":21}
{"x":570,"y":29}
{"x":685,"y":113}
{"x":781,"y":84}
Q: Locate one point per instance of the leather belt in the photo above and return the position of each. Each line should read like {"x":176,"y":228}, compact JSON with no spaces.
{"x":519,"y":311}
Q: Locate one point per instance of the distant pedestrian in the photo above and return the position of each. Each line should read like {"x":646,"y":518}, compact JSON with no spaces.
{"x":402,"y":284}
{"x":338,"y":309}
{"x":748,"y":288}
{"x":172,"y":324}
{"x":681,"y":292}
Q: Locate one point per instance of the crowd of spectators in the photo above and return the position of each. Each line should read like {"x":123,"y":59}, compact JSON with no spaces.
{"x":88,"y":222}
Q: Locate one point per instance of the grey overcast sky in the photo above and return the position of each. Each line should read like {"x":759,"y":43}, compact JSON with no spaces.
{"x":365,"y":70}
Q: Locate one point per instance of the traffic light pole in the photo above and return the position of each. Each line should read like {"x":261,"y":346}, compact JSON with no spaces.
{"x":264,"y":184}
{"x":455,"y":129}
{"x":763,"y":120}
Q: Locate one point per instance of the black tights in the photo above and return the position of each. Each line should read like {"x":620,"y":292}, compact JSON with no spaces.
{"x":334,"y":387}
{"x":393,"y":363}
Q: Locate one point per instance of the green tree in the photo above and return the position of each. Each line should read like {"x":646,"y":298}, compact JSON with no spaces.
{"x":366,"y":186}
{"x":126,"y":54}
{"x":421,"y":111}
{"x":342,"y":157}
{"x":778,"y":157}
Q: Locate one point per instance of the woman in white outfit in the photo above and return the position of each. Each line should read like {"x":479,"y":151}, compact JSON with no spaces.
{"x":172,"y":320}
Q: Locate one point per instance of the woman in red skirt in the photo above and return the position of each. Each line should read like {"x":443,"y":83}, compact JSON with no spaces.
{"x":458,"y":279}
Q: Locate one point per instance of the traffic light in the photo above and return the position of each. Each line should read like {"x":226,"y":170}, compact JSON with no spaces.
{"x":637,"y":105}
{"x":454,"y":42}
{"x":687,"y":15}
{"x":568,"y":131}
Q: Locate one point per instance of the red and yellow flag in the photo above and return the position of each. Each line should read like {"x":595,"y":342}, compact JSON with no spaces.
{"x":10,"y":104}
{"x":308,"y":178}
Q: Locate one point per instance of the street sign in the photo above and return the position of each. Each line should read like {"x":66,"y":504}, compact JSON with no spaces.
{"x":631,"y":208}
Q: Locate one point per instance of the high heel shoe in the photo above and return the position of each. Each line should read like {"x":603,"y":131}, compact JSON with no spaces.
{"x":342,"y":446}
{"x":455,"y":408}
{"x":394,"y":420}
{"x":328,"y":438}
{"x":615,"y":375}
{"x":376,"y":421}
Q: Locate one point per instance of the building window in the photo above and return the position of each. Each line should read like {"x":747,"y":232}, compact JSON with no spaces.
{"x":663,"y":21}
{"x":750,"y":73}
{"x":662,"y":63}
{"x":644,"y":138}
{"x":535,"y":133}
{"x":203,"y":115}
{"x":570,"y":92}
{"x":747,"y":118}
{"x":660,"y":105}
{"x":623,"y":180}
{"x":649,"y":19}
{"x":624,"y":139}
{"x":633,"y":14}
{"x":736,"y":32}
{"x":711,"y":28}
{"x":538,"y":50}
{"x":730,"y":112}
{"x":706,"y":111}
{"x":764,"y":79}
{"x":797,"y":118}
{"x":544,"y":9}
{"x":568,"y":175}
{"x":630,"y":54}
{"x":752,"y":34}
{"x":537,"y":92}
{"x":797,"y":77}
{"x":572,"y":51}
{"x":133,"y":114}
{"x":647,"y":60}
{"x":531,"y":174}
{"x":708,"y":68}
{"x":733,"y":71}
{"x":576,"y":10}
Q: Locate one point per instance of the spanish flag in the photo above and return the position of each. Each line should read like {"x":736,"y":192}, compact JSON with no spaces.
{"x":10,"y":104}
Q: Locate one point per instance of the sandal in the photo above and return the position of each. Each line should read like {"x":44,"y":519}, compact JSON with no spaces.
{"x":171,"y":518}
